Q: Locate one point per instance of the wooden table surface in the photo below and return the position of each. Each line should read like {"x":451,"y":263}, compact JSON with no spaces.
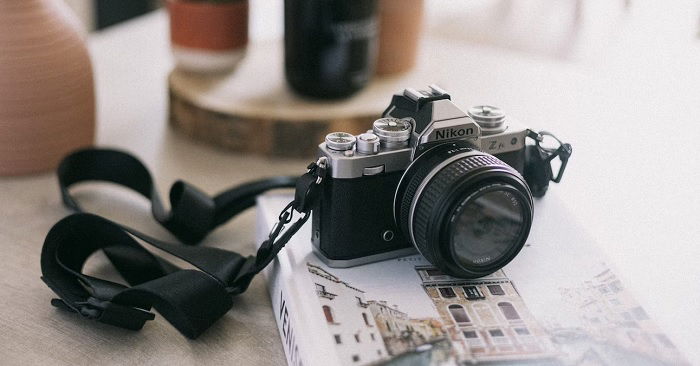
{"x":623,"y":86}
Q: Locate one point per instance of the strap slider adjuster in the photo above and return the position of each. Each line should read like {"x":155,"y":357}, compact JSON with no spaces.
{"x":107,"y":312}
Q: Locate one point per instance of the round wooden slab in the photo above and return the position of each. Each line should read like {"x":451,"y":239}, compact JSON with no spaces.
{"x":253,"y":110}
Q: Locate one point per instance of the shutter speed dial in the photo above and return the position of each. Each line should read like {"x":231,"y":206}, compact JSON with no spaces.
{"x":392,"y":132}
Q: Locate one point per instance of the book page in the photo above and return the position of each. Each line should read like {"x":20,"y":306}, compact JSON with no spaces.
{"x":557,"y":303}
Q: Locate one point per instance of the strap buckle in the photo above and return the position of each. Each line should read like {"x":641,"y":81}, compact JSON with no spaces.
{"x":107,"y":312}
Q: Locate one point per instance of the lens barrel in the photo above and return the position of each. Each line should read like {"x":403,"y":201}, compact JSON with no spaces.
{"x":466,"y":211}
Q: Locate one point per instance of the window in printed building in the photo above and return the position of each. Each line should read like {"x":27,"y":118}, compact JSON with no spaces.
{"x":664,"y":340}
{"x":447,"y":292}
{"x":357,"y":338}
{"x":371,"y":335}
{"x":498,"y":337}
{"x":473,"y":293}
{"x":508,"y":311}
{"x":434,"y":272}
{"x":355,"y":358}
{"x":496,"y":333}
{"x":337,"y":339}
{"x":366,"y":319}
{"x":616,"y":286}
{"x":639,"y":313}
{"x":388,"y":327}
{"x":320,"y":288}
{"x":458,"y":314}
{"x":472,"y":338}
{"x":496,"y":290}
{"x":379,"y":352}
{"x":328,"y":313}
{"x":522,"y":331}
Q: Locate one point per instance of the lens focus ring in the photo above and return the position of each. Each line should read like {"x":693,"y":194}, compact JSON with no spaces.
{"x":436,"y":188}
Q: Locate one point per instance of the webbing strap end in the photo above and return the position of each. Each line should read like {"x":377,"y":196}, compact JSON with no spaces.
{"x":107,"y":312}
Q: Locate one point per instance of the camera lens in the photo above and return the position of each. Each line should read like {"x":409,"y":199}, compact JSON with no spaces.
{"x":485,"y":225}
{"x":466,"y":211}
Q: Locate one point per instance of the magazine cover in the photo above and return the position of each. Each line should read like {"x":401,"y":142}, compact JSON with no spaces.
{"x":557,"y":303}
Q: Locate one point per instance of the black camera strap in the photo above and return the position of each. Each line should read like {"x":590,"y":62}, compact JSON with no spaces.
{"x":191,"y":300}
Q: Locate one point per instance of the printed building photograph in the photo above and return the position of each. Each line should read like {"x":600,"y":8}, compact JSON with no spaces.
{"x":369,"y":331}
{"x":349,"y":318}
{"x":614,"y":326}
{"x":401,"y":333}
{"x":485,"y":319}
{"x":476,"y":321}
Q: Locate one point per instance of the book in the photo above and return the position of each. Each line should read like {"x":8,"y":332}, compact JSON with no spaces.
{"x":557,"y":303}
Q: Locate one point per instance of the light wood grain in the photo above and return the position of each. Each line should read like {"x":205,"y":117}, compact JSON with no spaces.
{"x":253,"y":110}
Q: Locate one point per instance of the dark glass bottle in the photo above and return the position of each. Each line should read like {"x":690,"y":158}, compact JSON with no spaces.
{"x":330,"y":46}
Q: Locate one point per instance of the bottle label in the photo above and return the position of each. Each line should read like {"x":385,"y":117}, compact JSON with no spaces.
{"x":355,"y":29}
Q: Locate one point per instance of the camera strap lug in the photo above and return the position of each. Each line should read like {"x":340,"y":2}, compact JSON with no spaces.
{"x":307,"y":188}
{"x":306,"y":193}
{"x":538,"y":169}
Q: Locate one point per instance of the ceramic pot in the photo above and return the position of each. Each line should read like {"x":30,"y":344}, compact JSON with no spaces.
{"x":47,"y":100}
{"x":206,"y":36}
{"x":401,"y":24}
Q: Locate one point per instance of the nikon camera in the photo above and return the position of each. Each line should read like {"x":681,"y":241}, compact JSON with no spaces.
{"x":432,"y":178}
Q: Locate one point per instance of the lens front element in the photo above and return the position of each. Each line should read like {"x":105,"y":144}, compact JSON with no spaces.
{"x":486,"y":226}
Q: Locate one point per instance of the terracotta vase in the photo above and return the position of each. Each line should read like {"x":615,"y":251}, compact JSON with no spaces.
{"x":47,"y":103}
{"x":207,"y":36}
{"x":401,"y":24}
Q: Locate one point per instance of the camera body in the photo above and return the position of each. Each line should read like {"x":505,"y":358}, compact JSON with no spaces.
{"x":354,"y":221}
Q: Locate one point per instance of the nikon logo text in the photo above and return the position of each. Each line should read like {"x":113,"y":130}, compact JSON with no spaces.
{"x":450,"y":133}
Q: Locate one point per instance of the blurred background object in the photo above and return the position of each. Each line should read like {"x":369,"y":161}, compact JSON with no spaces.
{"x":208,"y":36}
{"x":110,"y":12}
{"x":400,"y":28}
{"x":47,"y":100}
{"x":330,"y":46}
{"x":99,"y":14}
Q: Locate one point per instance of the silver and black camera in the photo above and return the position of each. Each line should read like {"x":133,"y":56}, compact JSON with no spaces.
{"x":456,"y":186}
